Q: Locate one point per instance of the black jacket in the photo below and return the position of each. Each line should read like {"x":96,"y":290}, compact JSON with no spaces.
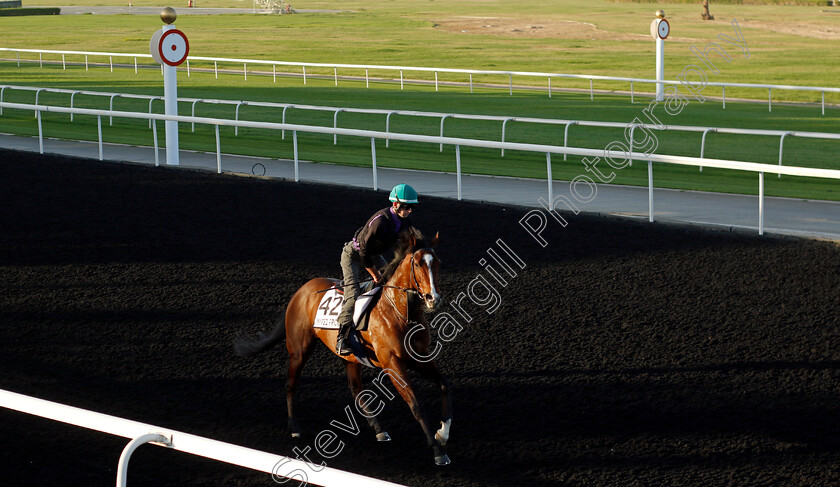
{"x":378,"y":235}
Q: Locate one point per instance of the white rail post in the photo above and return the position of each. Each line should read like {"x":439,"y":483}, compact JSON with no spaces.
{"x":769,"y":99}
{"x":822,"y":103}
{"x":193,"y":114}
{"x":295,"y":148}
{"x":188,"y":68}
{"x":216,"y":68}
{"x":40,"y":60}
{"x":37,"y":94}
{"x":155,"y":140}
{"x":125,"y":456}
{"x":703,"y":144}
{"x":274,"y":72}
{"x":388,"y":127}
{"x":458,"y":169}
{"x":236,"y":117}
{"x":510,"y":84}
{"x":72,"y":95}
{"x":63,"y":64}
{"x":401,"y":79}
{"x":724,"y":96}
{"x":283,"y":132}
{"x":436,"y":81}
{"x":218,"y":152}
{"x":781,"y":145}
{"x":761,"y":203}
{"x":86,"y":62}
{"x":549,"y":86}
{"x":630,"y":144}
{"x":2,"y":89}
{"x":373,"y":158}
{"x":99,"y":133}
{"x":441,"y":128}
{"x":335,"y":125}
{"x":504,"y":124}
{"x":566,"y":137}
{"x":631,"y":93}
{"x":471,"y":84}
{"x":335,"y":74}
{"x":367,"y":79}
{"x":650,"y":191}
{"x":591,"y":90}
{"x":304,"y":75}
{"x":245,"y":70}
{"x":550,"y":181}
{"x":18,"y":59}
{"x":152,"y":99}
{"x":111,"y":62}
{"x":40,"y":132}
{"x":111,"y":105}
{"x":135,"y":64}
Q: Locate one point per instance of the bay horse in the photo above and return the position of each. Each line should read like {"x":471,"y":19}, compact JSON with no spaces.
{"x":396,"y":340}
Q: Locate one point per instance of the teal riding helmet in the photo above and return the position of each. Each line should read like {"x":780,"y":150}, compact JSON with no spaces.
{"x":404,"y":194}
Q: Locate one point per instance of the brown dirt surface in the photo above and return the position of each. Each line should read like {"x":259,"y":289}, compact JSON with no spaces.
{"x":625,"y":353}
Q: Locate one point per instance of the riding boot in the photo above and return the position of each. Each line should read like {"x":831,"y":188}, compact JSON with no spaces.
{"x":342,"y":347}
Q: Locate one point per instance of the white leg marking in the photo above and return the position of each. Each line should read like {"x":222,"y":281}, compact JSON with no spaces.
{"x":442,"y":435}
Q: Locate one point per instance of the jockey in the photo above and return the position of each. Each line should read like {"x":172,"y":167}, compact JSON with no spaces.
{"x":364,"y":252}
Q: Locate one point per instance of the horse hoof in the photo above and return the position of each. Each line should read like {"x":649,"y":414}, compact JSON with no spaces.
{"x":384,"y":436}
{"x":440,"y":439}
{"x":296,"y":435}
{"x":442,"y":460}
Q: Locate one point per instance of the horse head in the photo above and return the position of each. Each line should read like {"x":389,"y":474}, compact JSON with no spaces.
{"x":425,"y":266}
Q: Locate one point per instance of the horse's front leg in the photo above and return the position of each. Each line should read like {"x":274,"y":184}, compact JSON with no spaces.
{"x":397,"y":372}
{"x":430,"y":371}
{"x":354,"y":380}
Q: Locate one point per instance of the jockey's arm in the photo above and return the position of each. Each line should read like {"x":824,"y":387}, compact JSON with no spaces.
{"x":374,"y":273}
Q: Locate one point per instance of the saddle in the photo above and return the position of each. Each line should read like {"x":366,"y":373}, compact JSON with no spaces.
{"x":333,"y":299}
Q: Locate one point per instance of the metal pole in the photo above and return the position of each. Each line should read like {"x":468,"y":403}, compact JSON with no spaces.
{"x":335,"y":74}
{"x":99,"y":132}
{"x":650,"y":191}
{"x":436,"y":81}
{"x":660,"y":69}
{"x":401,"y":79}
{"x":304,"y":75}
{"x":373,"y":157}
{"x":170,"y":90}
{"x":72,"y":95}
{"x":154,"y":138}
{"x":150,"y":110}
{"x":135,"y":64}
{"x":40,"y":133}
{"x":63,"y":64}
{"x":458,"y":169}
{"x":630,"y":144}
{"x":510,"y":84}
{"x":441,"y":128}
{"x":724,"y":96}
{"x":549,"y":86}
{"x":761,"y":203}
{"x":703,"y":145}
{"x":193,"y":114}
{"x":245,"y":70}
{"x":295,"y":146}
{"x":236,"y":117}
{"x":111,"y":62}
{"x":111,"y":105}
{"x":591,"y":92}
{"x":283,"y":132}
{"x":274,"y":72}
{"x":188,"y":67}
{"x":86,"y":62}
{"x":769,"y":99}
{"x":781,"y":145}
{"x":335,"y":125}
{"x":216,"y":68}
{"x":471,"y":84}
{"x":566,"y":137}
{"x":550,"y":181}
{"x":218,"y":152}
{"x":367,"y":79}
{"x":631,"y":93}
{"x":388,"y":127}
{"x":122,"y":466}
{"x":823,"y":102}
{"x":504,"y":124}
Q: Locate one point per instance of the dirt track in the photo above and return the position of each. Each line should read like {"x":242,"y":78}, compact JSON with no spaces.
{"x":623,"y":354}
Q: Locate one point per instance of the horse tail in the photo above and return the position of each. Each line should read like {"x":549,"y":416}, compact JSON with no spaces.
{"x":246,"y":346}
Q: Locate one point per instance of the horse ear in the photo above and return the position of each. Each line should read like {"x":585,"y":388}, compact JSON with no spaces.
{"x":434,"y":241}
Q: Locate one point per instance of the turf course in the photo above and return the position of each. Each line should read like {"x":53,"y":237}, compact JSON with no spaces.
{"x":421,"y":34}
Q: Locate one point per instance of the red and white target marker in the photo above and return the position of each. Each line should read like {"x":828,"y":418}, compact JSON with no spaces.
{"x":169,"y":47}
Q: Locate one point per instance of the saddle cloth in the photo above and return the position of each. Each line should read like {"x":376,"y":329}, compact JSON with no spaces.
{"x":330,"y":307}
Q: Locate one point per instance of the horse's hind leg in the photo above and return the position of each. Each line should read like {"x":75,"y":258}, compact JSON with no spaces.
{"x":297,"y":359}
{"x":354,"y":380}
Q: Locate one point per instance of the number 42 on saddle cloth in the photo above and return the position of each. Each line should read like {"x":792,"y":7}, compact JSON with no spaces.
{"x":330,"y":307}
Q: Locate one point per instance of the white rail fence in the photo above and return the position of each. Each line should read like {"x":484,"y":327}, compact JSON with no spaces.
{"x":782,"y":134}
{"x":548,"y":150}
{"x":402,"y":69}
{"x":141,"y":433}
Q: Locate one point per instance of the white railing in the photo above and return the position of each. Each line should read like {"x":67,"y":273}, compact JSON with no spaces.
{"x":436,"y":71}
{"x":442,"y":116}
{"x":140,"y":433}
{"x":759,"y":168}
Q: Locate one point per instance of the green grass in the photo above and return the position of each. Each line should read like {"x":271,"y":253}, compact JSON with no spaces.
{"x":399,"y":32}
{"x":353,"y":151}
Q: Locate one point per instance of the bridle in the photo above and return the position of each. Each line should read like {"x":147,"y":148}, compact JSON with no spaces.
{"x":408,"y":290}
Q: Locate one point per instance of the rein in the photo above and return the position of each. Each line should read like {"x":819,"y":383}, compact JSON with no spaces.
{"x":407,"y":290}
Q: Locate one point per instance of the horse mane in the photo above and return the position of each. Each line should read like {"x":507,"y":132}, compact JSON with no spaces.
{"x":403,"y":247}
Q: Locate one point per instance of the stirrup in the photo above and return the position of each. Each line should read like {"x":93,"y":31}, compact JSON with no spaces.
{"x":341,"y":346}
